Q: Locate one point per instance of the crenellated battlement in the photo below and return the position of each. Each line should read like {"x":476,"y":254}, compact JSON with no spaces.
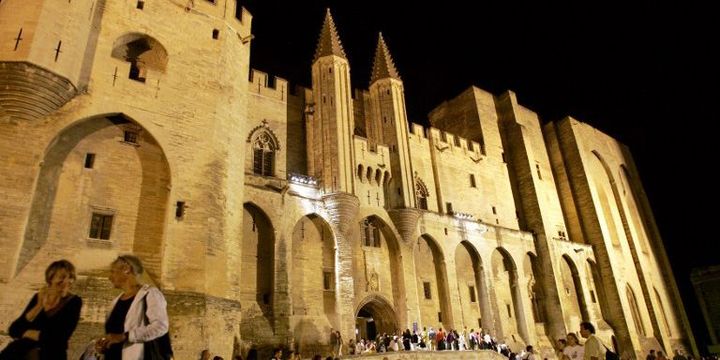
{"x":445,"y":140}
{"x":265,"y":84}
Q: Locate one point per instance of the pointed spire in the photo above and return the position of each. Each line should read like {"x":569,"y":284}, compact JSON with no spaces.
{"x":329,"y":42}
{"x":383,"y":66}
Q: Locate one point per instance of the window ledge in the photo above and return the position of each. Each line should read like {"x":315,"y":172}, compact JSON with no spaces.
{"x":99,"y":243}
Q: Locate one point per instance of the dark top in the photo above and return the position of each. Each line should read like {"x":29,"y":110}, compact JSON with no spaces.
{"x":55,"y":326}
{"x":115,"y":324}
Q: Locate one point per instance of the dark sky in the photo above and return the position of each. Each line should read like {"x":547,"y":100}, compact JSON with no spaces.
{"x":641,"y":71}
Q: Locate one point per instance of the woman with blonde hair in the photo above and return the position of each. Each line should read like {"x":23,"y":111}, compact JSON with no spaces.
{"x":44,"y":328}
{"x":138,"y":315}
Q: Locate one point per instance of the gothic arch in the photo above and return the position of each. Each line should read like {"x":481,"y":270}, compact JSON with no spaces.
{"x":575,"y":294}
{"x":258,"y":261}
{"x":635,"y":311}
{"x":511,"y":315}
{"x":264,"y":146}
{"x":138,"y":166}
{"x":631,"y":242}
{"x":384,"y":275}
{"x":599,"y":290}
{"x":431,"y":274}
{"x":382,"y":312}
{"x":313,"y":289}
{"x":361,"y":173}
{"x":421,"y":194}
{"x":473,"y":288}
{"x":257,"y":131}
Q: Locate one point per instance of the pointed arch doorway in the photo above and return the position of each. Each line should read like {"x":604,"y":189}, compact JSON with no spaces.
{"x":375,"y":316}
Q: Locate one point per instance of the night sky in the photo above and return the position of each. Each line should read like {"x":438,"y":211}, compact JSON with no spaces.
{"x":640,"y":71}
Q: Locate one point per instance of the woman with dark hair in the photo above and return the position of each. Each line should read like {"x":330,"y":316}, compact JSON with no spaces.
{"x":44,"y":328}
{"x":138,"y":315}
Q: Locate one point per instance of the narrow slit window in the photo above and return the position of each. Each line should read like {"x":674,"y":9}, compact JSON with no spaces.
{"x":89,"y":160}
{"x":426,"y":290}
{"x":327,"y":280}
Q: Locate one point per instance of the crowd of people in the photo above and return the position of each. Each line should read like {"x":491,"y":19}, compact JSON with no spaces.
{"x":137,"y":328}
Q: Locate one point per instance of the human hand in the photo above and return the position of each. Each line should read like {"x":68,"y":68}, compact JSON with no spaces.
{"x":100,"y":345}
{"x":112,"y":339}
{"x":51,"y":298}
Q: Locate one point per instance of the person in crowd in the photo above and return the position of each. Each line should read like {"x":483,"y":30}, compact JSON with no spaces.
{"x":440,"y":339}
{"x":560,"y":345}
{"x":205,"y":355}
{"x":406,"y":339}
{"x":432,"y":336}
{"x":45,"y":326}
{"x":650,"y":355}
{"x":573,"y":349}
{"x":593,"y":349}
{"x":661,"y":356}
{"x":138,"y":315}
{"x":530,"y":353}
{"x":277,"y":354}
{"x":679,"y":355}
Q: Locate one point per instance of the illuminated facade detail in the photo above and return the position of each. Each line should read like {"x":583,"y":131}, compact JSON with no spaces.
{"x":307,"y":209}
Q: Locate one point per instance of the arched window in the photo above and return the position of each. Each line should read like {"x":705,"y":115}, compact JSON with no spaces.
{"x":635,"y":310}
{"x":263,"y":154}
{"x":264,"y":146}
{"x":421,"y":194}
{"x":370,"y":233}
{"x":142,"y":52}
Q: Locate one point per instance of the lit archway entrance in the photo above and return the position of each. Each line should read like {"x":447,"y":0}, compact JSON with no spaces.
{"x":375,"y":316}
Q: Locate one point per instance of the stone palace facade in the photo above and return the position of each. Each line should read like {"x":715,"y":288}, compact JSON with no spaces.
{"x":269,"y":214}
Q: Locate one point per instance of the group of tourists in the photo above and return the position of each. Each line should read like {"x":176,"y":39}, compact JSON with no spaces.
{"x":135,"y":328}
{"x":425,"y":339}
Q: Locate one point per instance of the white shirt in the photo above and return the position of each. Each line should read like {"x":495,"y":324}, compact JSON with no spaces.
{"x":594,"y":348}
{"x":575,"y":352}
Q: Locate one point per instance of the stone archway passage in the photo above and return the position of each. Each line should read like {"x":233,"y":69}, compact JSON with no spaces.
{"x":374,"y":318}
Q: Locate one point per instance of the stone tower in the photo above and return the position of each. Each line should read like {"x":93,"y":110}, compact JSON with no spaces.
{"x":388,"y":125}
{"x":124,"y":133}
{"x":332,"y":127}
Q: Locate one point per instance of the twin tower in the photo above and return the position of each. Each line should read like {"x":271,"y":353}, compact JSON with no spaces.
{"x":331,"y":127}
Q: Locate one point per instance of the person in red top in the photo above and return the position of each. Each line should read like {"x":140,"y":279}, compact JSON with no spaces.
{"x":440,"y":339}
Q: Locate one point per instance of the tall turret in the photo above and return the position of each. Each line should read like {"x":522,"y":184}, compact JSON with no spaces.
{"x":331,"y":128}
{"x":388,"y":125}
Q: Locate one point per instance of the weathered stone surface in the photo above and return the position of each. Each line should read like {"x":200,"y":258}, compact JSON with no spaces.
{"x":271,"y":214}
